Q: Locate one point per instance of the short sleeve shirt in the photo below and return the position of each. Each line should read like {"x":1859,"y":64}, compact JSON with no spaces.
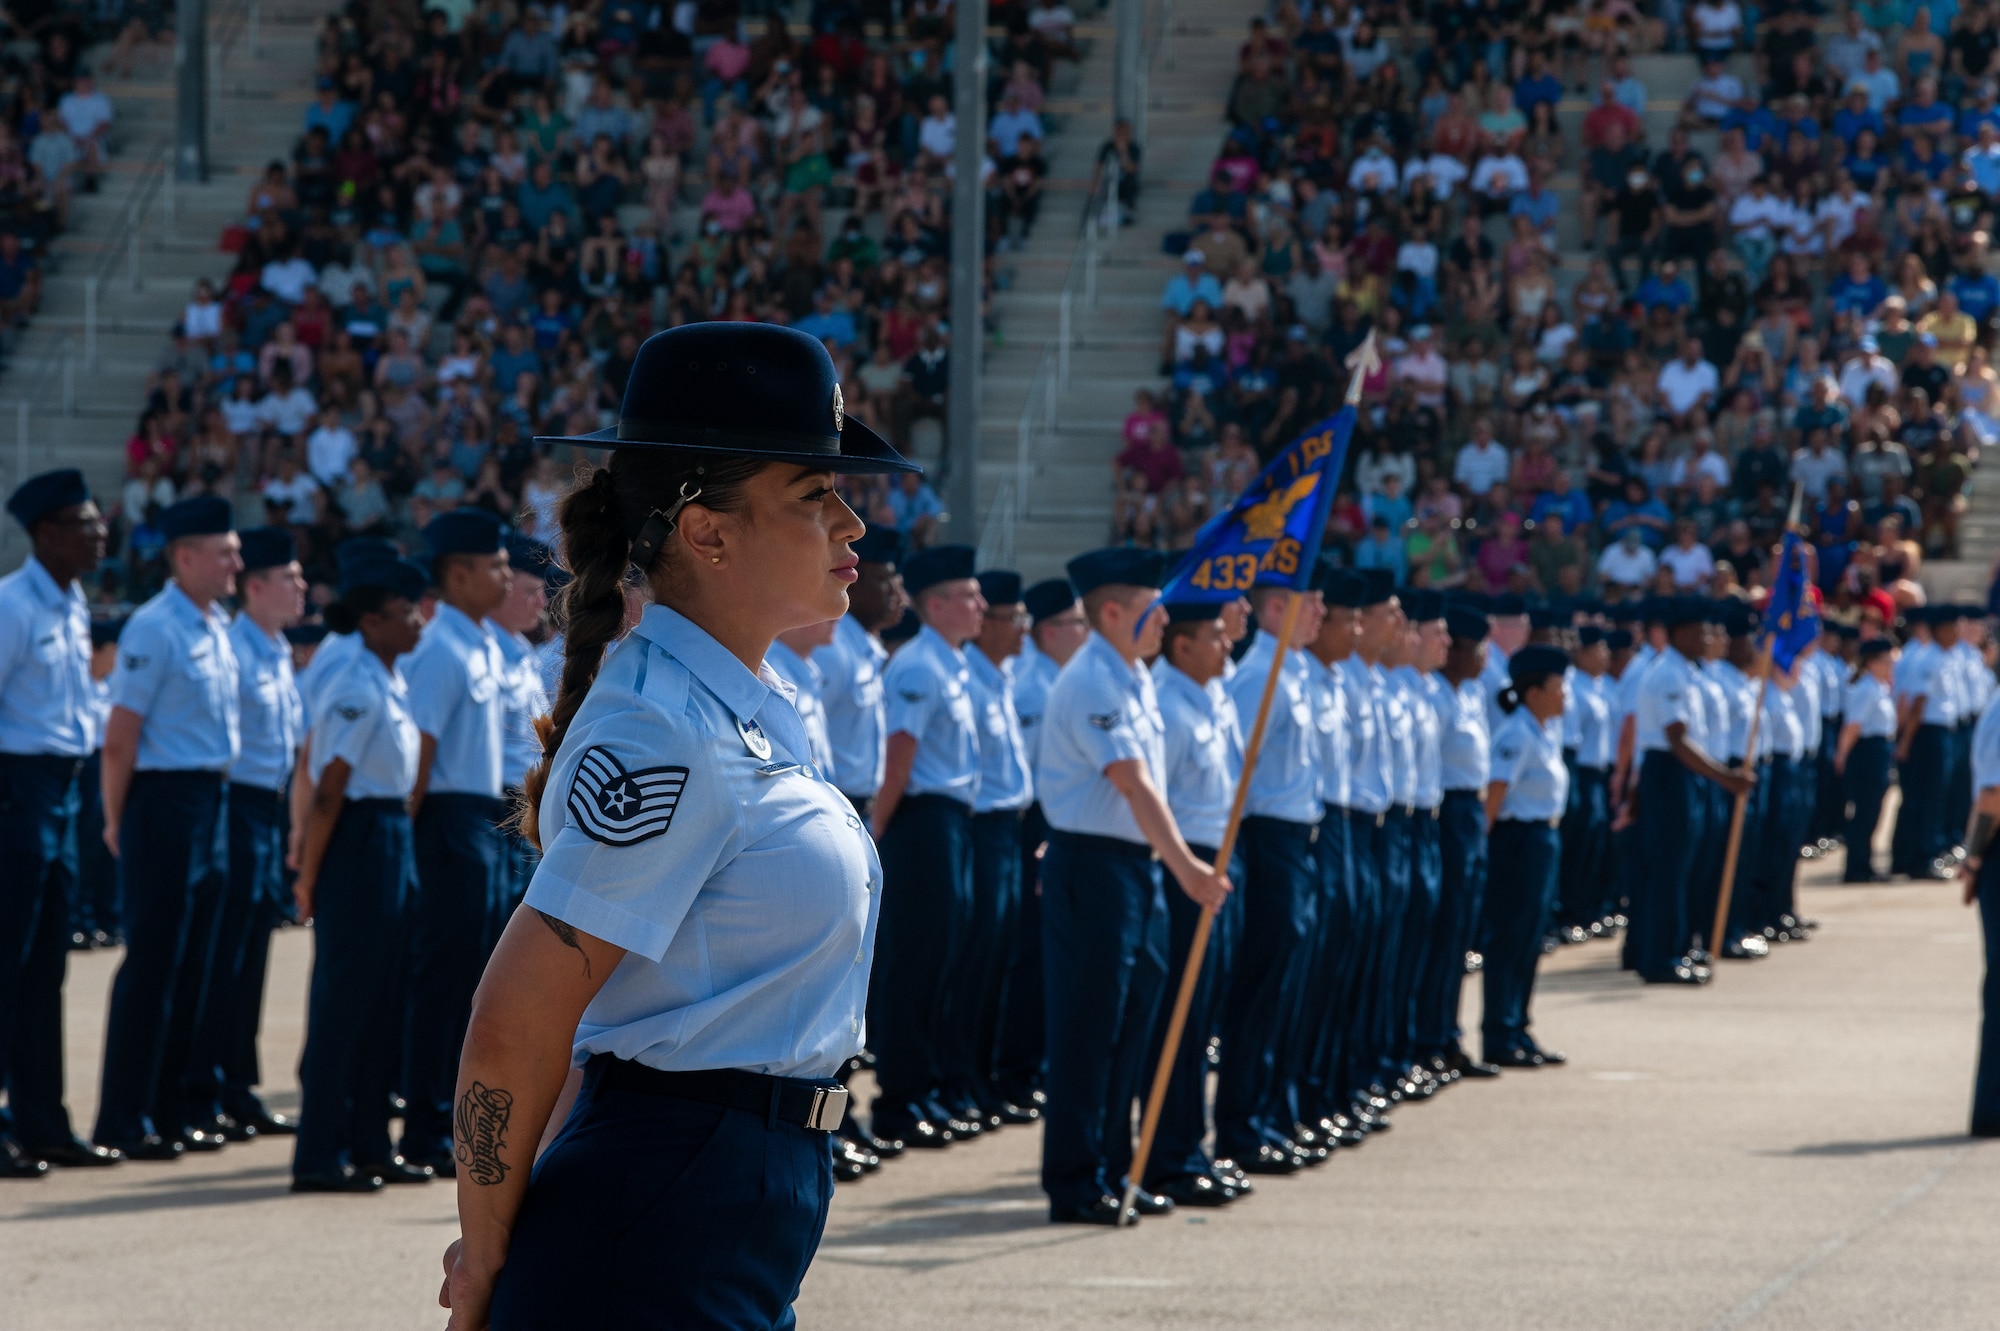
{"x":1286,"y":781}
{"x":928,"y":693}
{"x":1004,"y":780}
{"x":526,"y":699}
{"x":177,"y":672}
{"x":1667,"y":694}
{"x":366,"y":723}
{"x":804,"y":677}
{"x":1527,"y":755}
{"x":45,"y":706}
{"x":1464,"y":742}
{"x":1100,"y":711}
{"x":1204,"y":752}
{"x":851,"y":691}
{"x":271,"y":716}
{"x":457,"y":682}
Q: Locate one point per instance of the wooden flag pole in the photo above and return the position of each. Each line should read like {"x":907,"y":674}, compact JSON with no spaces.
{"x":1156,"y":1098}
{"x":1742,"y":802}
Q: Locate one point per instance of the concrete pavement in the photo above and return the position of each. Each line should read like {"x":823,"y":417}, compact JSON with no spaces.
{"x":1783,"y":1149}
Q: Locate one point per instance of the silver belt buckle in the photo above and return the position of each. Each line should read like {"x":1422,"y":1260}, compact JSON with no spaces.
{"x":829,"y":1106}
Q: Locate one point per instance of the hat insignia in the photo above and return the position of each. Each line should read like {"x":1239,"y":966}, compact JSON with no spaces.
{"x":838,"y":409}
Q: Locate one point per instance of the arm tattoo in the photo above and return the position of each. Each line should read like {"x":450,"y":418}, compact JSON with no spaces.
{"x":481,"y":1124}
{"x":1982,"y":834}
{"x":567,"y":933}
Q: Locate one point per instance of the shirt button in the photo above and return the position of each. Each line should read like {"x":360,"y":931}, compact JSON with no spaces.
{"x":854,"y":1025}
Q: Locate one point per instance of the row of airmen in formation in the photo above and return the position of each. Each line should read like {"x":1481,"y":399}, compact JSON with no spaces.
{"x":1444,"y":785}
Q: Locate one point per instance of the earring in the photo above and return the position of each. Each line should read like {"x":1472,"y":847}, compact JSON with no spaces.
{"x":715,"y":559}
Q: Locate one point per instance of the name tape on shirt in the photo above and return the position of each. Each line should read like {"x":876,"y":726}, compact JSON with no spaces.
{"x":621,"y":808}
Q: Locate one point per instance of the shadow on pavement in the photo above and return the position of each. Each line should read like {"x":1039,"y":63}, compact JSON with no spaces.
{"x":1877,"y":1148}
{"x":170,"y":1194}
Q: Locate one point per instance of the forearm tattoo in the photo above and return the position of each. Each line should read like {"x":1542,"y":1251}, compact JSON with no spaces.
{"x":567,"y":933}
{"x":481,"y":1124}
{"x":1982,"y":833}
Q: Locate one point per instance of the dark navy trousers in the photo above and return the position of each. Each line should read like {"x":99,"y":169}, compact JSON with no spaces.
{"x":1419,"y":922}
{"x":1256,"y":1103}
{"x":1586,"y":894}
{"x":361,"y":919}
{"x":1829,"y":818}
{"x":1455,"y":928}
{"x":651,"y":1212}
{"x":1919,"y":837}
{"x":225,"y":1068}
{"x":37,"y":817}
{"x":1329,"y":992}
{"x":1520,"y":897}
{"x":973,"y":1018}
{"x":1357,"y":1071}
{"x":94,"y":899}
{"x":1020,"y":1054}
{"x":1393,"y":851}
{"x":1104,"y":945}
{"x":461,"y":886}
{"x":1866,"y":782}
{"x":1183,"y":1126}
{"x":1747,"y":905}
{"x":1673,"y":815}
{"x":174,"y":865}
{"x":1958,"y":785}
{"x":920,"y":941}
{"x":1986,"y":1088}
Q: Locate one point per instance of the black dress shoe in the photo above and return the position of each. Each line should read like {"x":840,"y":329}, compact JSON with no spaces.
{"x":236,"y":1130}
{"x":345,"y":1179}
{"x":1010,"y":1112}
{"x":1197,"y":1190}
{"x":1465,"y":1065}
{"x":1682,"y":973}
{"x":1549,"y":1057}
{"x":398,"y":1170}
{"x":882,"y":1148}
{"x":924,"y":1135}
{"x":18,"y":1163}
{"x":1151,"y":1203}
{"x":846,"y":1169}
{"x":268,"y":1124}
{"x":1104,"y":1211}
{"x":1516,"y":1057}
{"x":441,"y":1166}
{"x":152,"y":1147}
{"x":202,"y":1140}
{"x":963,"y":1127}
{"x":101,"y":939}
{"x":74,"y":1154}
{"x":79,"y":941}
{"x":1745,"y":949}
{"x":1271,"y":1160}
{"x":1231,"y":1174}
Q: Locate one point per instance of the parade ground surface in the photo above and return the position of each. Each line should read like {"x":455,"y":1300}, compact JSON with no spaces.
{"x":1783,"y":1149}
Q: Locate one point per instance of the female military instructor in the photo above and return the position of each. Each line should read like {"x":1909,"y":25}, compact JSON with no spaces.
{"x":698,"y":935}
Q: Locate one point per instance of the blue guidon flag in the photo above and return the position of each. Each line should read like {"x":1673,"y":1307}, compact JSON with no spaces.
{"x":621,"y":808}
{"x":1271,"y":536}
{"x":1791,"y":618}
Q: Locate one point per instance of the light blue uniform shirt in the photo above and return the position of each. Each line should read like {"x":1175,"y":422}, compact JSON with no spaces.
{"x":272,"y":719}
{"x":1924,"y":673}
{"x":1330,"y":719}
{"x":177,"y":672}
{"x":45,"y":684}
{"x":804,"y":677}
{"x":928,"y":687}
{"x":1831,"y":674}
{"x":1527,"y":755}
{"x":336,"y":653}
{"x":1426,"y":729}
{"x":1204,"y":752}
{"x":365,"y":721}
{"x":1595,"y":737}
{"x":100,"y":709}
{"x":1807,"y":705}
{"x":1493,"y":677}
{"x":549,"y":660}
{"x":1398,"y":730}
{"x":1978,"y":677}
{"x":458,"y":694}
{"x":1034,"y":672}
{"x":1870,"y":705}
{"x":1986,"y":748}
{"x":1004,"y":780}
{"x":1286,"y":781}
{"x":1714,"y":703}
{"x":1368,"y":780}
{"x":1464,"y":743}
{"x":850,"y":670}
{"x":1667,"y":694}
{"x":520,"y":746}
{"x":743,"y":888}
{"x":1627,"y":696}
{"x":1740,"y":692}
{"x":1100,"y":711}
{"x":1784,"y":709}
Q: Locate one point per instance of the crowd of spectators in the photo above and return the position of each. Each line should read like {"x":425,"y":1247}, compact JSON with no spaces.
{"x":488,"y":209}
{"x":1610,"y":353}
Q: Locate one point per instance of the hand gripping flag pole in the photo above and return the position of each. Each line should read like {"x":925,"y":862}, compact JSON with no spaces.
{"x":1790,"y":625}
{"x":1269,"y":538}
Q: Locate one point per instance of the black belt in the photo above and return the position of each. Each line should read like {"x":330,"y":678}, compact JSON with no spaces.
{"x":818,"y":1105}
{"x":381,"y":803}
{"x":940,"y":801}
{"x":1110,"y":844}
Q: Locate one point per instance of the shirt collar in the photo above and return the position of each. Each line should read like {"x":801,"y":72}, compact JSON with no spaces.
{"x":46,"y":588}
{"x":453,"y":620}
{"x":1110,"y":658}
{"x":185,"y":607}
{"x":706,"y":659}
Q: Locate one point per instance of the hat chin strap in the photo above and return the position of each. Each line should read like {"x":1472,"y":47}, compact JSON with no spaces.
{"x":660,"y":524}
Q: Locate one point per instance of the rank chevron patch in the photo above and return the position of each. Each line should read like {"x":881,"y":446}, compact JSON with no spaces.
{"x":621,"y":808}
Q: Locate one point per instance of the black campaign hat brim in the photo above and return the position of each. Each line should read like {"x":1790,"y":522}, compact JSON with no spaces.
{"x":862,"y":450}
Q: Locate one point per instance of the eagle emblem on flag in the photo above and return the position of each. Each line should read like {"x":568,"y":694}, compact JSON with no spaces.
{"x":621,"y":808}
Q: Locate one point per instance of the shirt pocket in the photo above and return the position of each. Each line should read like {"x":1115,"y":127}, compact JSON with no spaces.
{"x":483,"y":687}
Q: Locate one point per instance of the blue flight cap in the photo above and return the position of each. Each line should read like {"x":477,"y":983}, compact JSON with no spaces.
{"x":1875,"y":647}
{"x":1465,"y":624}
{"x":1679,"y":611}
{"x":1847,"y":632}
{"x":1051,"y":596}
{"x":742,"y":390}
{"x":1193,"y":612}
{"x":1505,"y":605}
{"x":1422,"y":604}
{"x":1718,"y":611}
{"x":104,"y":632}
{"x":879,"y":545}
{"x":399,"y":577}
{"x":1345,"y":588}
{"x":1378,"y":585}
{"x":267,"y":547}
{"x":360,"y":548}
{"x":1536,"y":661}
{"x":1465,"y":600}
{"x":938,"y":563}
{"x":1000,"y":586}
{"x":39,"y":496}
{"x":464,"y":531}
{"x":1619,"y":640}
{"x":1117,"y":566}
{"x":1547,"y":617}
{"x":203,"y":515}
{"x":1590,"y":635}
{"x":306,"y":635}
{"x":1739,"y":619}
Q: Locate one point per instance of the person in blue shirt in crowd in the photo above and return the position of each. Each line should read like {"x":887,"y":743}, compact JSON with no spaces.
{"x":1524,"y":804}
{"x":1866,"y":753}
{"x":1194,"y":282}
{"x":457,"y":679}
{"x":922,"y":819}
{"x":695,"y":947}
{"x":1105,"y":931}
{"x":271,"y":594}
{"x":357,"y":883}
{"x":168,"y":746}
{"x":1464,"y":747}
{"x":535,"y":575}
{"x":1006,"y":788}
{"x":48,"y":729}
{"x":1203,"y":741}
